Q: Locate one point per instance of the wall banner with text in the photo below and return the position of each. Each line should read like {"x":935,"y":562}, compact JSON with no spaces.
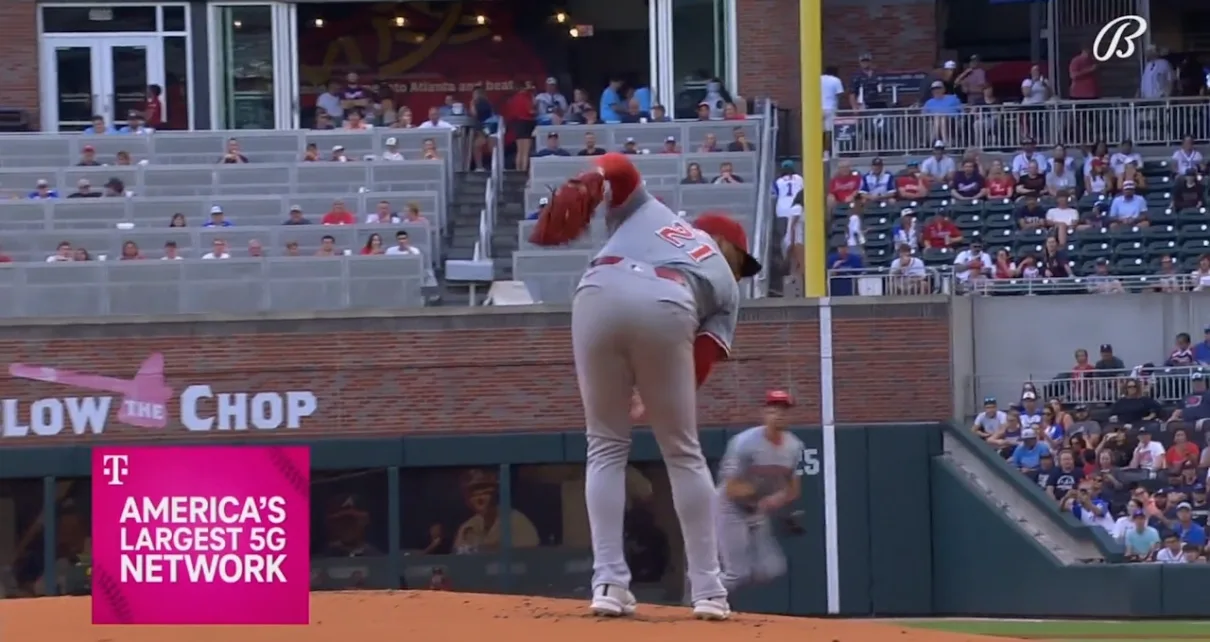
{"x":201,"y":535}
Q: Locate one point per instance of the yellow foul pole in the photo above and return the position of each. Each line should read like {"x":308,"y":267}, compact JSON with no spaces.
{"x":815,"y":236}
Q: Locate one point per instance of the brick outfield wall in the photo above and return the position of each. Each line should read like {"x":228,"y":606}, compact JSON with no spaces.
{"x":494,"y":372}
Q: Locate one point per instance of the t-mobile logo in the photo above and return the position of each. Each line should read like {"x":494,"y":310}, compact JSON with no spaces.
{"x":114,"y":467}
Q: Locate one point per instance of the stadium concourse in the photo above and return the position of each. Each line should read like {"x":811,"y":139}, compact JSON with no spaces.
{"x":436,"y":616}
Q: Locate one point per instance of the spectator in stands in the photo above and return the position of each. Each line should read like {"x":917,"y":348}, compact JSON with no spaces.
{"x":1127,"y":209}
{"x":177,"y":220}
{"x":1201,"y":351}
{"x":842,"y":264}
{"x":1189,"y":531}
{"x":428,"y":150}
{"x":295,"y":217}
{"x":865,"y":87}
{"x":217,"y":218}
{"x":373,"y":245}
{"x":1123,"y":157}
{"x":62,"y":253}
{"x":911,"y":184}
{"x":1027,"y":455}
{"x":1083,"y":73}
{"x":1182,"y":452}
{"x":355,"y":121}
{"x":1158,"y":80}
{"x":611,"y":104}
{"x":938,"y":168}
{"x":1083,"y":424}
{"x":403,"y":119}
{"x":1044,"y":475}
{"x":1108,"y":361}
{"x":1181,"y":355}
{"x":311,"y":154}
{"x":392,"y":152}
{"x":973,"y":79}
{"x":1035,"y":89}
{"x":843,"y":187}
{"x":551,"y":101}
{"x":908,"y":273}
{"x":1060,"y":181}
{"x":1029,"y":214}
{"x":338,"y":215}
{"x":1099,"y":181}
{"x":84,"y":190}
{"x":726,"y":175}
{"x":905,"y":231}
{"x":1135,"y":407}
{"x":670,"y":146}
{"x":693,"y":175}
{"x":255,"y":249}
{"x":292,"y":248}
{"x":1133,"y":175}
{"x":218,"y":250}
{"x":1062,"y":218}
{"x":973,"y":265}
{"x":1029,"y":153}
{"x":323,"y":122}
{"x":1006,"y":438}
{"x":999,"y":183}
{"x":990,"y":420}
{"x":88,"y":157}
{"x":552,"y":147}
{"x":338,"y":154}
{"x":943,"y":107}
{"x":123,"y":159}
{"x":878,"y":183}
{"x":170,"y":252}
{"x":1201,"y":276}
{"x":703,"y":112}
{"x":1054,"y":263}
{"x":940,"y":232}
{"x":534,"y":215}
{"x":709,"y":145}
{"x":99,"y":127}
{"x":403,"y":244}
{"x":135,"y":125}
{"x":382,"y":214}
{"x":968,"y":185}
{"x":590,"y":146}
{"x":1101,"y":281}
{"x":579,"y":105}
{"x":1005,"y":267}
{"x":43,"y":191}
{"x":1188,"y":192}
{"x":854,"y":233}
{"x":634,"y":113}
{"x":130,"y":252}
{"x":233,"y":155}
{"x":327,"y":246}
{"x":630,"y":146}
{"x":1169,"y":279}
{"x":1068,"y":476}
{"x":81,"y":254}
{"x":330,"y":101}
{"x":115,"y":188}
{"x":731,"y":112}
{"x":1030,"y":411}
{"x":658,"y":115}
{"x":1032,"y":182}
{"x":1141,"y":540}
{"x":740,"y":142}
{"x":1186,"y":158}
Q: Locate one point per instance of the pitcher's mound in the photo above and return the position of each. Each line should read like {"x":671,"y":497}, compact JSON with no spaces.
{"x":383,"y":616}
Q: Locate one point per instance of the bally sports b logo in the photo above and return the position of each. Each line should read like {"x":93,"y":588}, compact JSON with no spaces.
{"x":1116,"y":39}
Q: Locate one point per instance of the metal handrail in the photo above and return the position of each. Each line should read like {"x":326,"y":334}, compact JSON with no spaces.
{"x":943,"y":280}
{"x":491,"y":197}
{"x":759,"y":286}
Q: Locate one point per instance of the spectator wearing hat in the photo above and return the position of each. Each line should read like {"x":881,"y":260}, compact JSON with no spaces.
{"x":658,"y":114}
{"x":1083,"y":424}
{"x":88,"y":157}
{"x":1044,"y":475}
{"x":1030,"y":409}
{"x":1148,"y":454}
{"x":670,"y":146}
{"x":84,"y":190}
{"x":392,"y":152}
{"x":1029,"y":153}
{"x":552,"y":147}
{"x":115,"y":187}
{"x":1189,"y":531}
{"x":296,"y":217}
{"x":865,"y":87}
{"x":943,"y":107}
{"x":1141,"y":540}
{"x":878,"y":183}
{"x":842,"y":264}
{"x":972,"y":265}
{"x":217,"y":218}
{"x":630,"y":146}
{"x":1090,"y":507}
{"x":338,"y":154}
{"x":906,"y":231}
{"x":533,"y":216}
{"x":550,"y":102}
{"x":1027,"y":456}
{"x":990,"y":420}
{"x":938,"y":167}
{"x":1196,"y":405}
{"x":1128,"y":209}
{"x":135,"y":124}
{"x":43,"y":191}
{"x":1029,"y":214}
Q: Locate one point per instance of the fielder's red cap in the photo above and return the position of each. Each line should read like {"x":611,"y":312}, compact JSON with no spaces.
{"x":780,"y":397}
{"x":725,"y":227}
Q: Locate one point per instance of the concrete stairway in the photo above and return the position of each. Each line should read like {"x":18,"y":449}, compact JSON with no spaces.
{"x":1044,"y":526}
{"x":462,"y":230}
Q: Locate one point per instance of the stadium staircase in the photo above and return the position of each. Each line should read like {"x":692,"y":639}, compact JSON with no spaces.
{"x":463,"y":228}
{"x":1044,"y":526}
{"x":509,"y":212}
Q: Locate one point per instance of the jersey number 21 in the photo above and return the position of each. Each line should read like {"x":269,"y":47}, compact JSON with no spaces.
{"x":693,"y":241}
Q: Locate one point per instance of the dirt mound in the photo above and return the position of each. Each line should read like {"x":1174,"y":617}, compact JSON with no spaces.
{"x":381,"y":616}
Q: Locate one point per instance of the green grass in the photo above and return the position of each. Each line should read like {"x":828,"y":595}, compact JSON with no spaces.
{"x":1073,"y":630}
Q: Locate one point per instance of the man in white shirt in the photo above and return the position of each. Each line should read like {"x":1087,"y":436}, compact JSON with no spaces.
{"x":1124,"y":156}
{"x":170,"y":252}
{"x":939,"y":167}
{"x":907,"y":273}
{"x":550,"y":103}
{"x":329,"y":101}
{"x":1029,"y":152}
{"x":1186,"y":157}
{"x":1062,"y":216}
{"x":392,"y":151}
{"x":403,"y":244}
{"x":785,"y":189}
{"x":1149,"y":454}
{"x":832,"y":88}
{"x":1158,"y":77}
{"x":1171,"y":552}
{"x":63,"y":254}
{"x":382,"y":215}
{"x":435,"y":121}
{"x":219,"y":250}
{"x":973,"y":263}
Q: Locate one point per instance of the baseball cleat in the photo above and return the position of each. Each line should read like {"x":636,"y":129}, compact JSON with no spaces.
{"x":613,"y":601}
{"x":715,"y":609}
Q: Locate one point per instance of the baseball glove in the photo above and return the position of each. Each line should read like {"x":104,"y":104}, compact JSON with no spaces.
{"x":569,"y":209}
{"x":789,"y":524}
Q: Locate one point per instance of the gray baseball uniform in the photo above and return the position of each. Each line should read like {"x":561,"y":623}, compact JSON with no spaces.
{"x":747,"y":545}
{"x":633,"y":327}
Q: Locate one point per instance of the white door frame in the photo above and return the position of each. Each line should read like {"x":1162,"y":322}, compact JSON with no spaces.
{"x":100,"y":47}
{"x":284,"y":20}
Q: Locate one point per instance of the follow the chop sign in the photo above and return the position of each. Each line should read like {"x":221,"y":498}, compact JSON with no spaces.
{"x":1117,"y":38}
{"x":143,"y":402}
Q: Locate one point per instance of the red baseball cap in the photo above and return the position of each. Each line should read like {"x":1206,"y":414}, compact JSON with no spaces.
{"x":729,"y":229}
{"x":778,"y":397}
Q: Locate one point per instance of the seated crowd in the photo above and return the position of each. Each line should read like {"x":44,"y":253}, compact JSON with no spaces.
{"x":1126,"y":449}
{"x":1039,"y":216}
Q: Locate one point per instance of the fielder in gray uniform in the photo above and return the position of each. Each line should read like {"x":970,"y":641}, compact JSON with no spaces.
{"x":758,"y":477}
{"x":655,"y":310}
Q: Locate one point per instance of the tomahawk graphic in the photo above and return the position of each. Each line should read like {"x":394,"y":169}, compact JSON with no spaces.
{"x":144,"y":398}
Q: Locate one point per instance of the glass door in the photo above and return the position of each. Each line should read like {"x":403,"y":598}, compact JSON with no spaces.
{"x":103,"y":76}
{"x":253,"y":66}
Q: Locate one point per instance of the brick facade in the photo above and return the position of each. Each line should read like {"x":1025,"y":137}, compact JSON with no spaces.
{"x":457,"y":372}
{"x":19,"y":53}
{"x":901,"y":34}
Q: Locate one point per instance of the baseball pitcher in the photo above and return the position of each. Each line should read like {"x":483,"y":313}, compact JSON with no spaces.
{"x":654,"y":312}
{"x":758,"y":478}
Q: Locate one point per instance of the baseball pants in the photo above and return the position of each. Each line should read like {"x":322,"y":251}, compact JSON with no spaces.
{"x":632,"y":329}
{"x":748,"y":550}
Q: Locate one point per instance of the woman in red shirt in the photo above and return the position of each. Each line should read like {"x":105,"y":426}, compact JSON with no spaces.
{"x":373,"y":245}
{"x":521,"y":118}
{"x":999,"y":183}
{"x":844,"y":185}
{"x":1182,"y":451}
{"x":940,"y":232}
